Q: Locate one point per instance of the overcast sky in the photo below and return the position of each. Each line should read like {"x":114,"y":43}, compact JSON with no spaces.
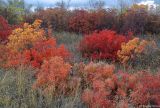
{"x":85,"y":3}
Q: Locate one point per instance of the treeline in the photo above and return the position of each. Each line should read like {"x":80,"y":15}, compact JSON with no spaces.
{"x":137,"y":19}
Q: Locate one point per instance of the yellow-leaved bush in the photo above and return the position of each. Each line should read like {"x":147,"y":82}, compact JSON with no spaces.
{"x":131,"y":49}
{"x":24,"y":38}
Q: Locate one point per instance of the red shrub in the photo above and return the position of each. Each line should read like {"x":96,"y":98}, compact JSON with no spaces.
{"x":43,"y":50}
{"x":56,"y":17}
{"x":147,"y":89}
{"x":5,"y":30}
{"x":119,"y":89}
{"x":104,"y":19}
{"x":141,"y":88}
{"x":98,"y":76}
{"x":53,"y":75}
{"x":82,"y":22}
{"x":102,"y":45}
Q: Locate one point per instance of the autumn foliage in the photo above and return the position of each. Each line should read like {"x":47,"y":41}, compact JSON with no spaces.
{"x":96,"y":76}
{"x":24,"y":38}
{"x":100,"y":70}
{"x":109,"y":68}
{"x":56,"y":17}
{"x":82,"y":22}
{"x":102,"y":45}
{"x":137,"y":18}
{"x":119,"y":89}
{"x":85,"y":22}
{"x":5,"y":30}
{"x":30,"y":45}
{"x":131,"y":49}
{"x":44,"y":50}
{"x":53,"y":75}
{"x":147,"y":89}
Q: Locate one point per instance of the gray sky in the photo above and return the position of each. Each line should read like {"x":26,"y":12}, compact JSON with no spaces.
{"x":85,"y":3}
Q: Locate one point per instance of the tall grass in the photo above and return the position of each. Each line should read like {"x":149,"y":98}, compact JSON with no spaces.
{"x":16,"y":92}
{"x":71,"y":41}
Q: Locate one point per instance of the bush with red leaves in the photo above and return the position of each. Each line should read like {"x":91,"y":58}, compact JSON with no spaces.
{"x":5,"y":30}
{"x":146,"y":90}
{"x":102,"y":45}
{"x":119,"y":90}
{"x":53,"y":75}
{"x":82,"y":22}
{"x":42,"y":50}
